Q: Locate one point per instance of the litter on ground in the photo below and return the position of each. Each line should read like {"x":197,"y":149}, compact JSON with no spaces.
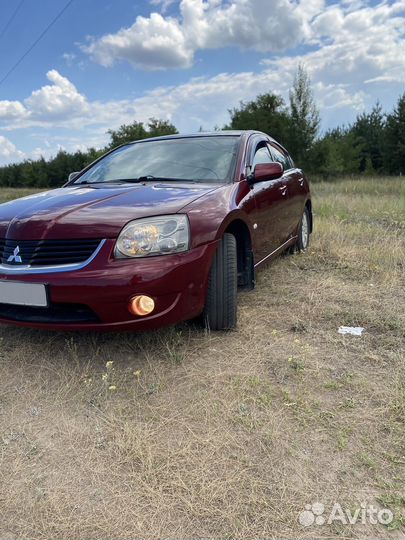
{"x":353,"y":330}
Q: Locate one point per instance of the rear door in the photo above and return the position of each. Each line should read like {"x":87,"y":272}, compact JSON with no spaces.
{"x":269,"y":196}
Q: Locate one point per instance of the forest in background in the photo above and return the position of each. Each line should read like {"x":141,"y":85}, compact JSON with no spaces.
{"x":374,"y":144}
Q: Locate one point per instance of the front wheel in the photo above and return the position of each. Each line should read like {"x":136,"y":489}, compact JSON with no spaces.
{"x":220,"y":308}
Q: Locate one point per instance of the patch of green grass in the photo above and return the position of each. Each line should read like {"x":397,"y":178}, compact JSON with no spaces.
{"x":398,"y":523}
{"x":9,"y":194}
{"x":332,"y":385}
{"x":255,"y":390}
{"x":342,"y":381}
{"x":295,"y":363}
{"x":391,"y":499}
{"x":395,"y":502}
{"x":365,"y":460}
{"x":343,"y":437}
{"x":348,"y":403}
{"x":174,"y":344}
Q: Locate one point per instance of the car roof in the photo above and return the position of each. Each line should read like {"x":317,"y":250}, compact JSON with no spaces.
{"x":246,"y":133}
{"x":222,"y":133}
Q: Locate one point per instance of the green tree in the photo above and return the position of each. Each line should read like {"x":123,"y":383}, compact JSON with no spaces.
{"x":266,"y":113}
{"x":368,"y":130}
{"x":137,"y":131}
{"x":127,"y":133}
{"x":304,"y":117}
{"x":157,"y":128}
{"x":336,"y":153}
{"x":394,"y":147}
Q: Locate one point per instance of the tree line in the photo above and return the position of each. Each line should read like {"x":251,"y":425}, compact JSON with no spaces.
{"x":374,"y":144}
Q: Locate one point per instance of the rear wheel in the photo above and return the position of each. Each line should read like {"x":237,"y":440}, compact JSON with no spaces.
{"x":220,"y":308}
{"x":302,"y":242}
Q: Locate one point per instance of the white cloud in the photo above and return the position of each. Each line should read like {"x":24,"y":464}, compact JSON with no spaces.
{"x":69,"y":58}
{"x":330,"y":96}
{"x":11,"y":109}
{"x":150,"y":43}
{"x":165,"y":4}
{"x":353,"y":47}
{"x":354,"y":28}
{"x":156,"y":42}
{"x":382,"y":78}
{"x":356,"y":56}
{"x":8,"y":151}
{"x":56,"y":100}
{"x":201,"y":101}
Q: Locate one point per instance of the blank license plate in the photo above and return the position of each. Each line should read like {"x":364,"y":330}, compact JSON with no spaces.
{"x":23,"y":294}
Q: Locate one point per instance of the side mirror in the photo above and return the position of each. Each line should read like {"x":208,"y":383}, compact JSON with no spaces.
{"x":72,"y":176}
{"x":266,"y":171}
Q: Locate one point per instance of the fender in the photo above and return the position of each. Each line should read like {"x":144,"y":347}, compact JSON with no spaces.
{"x":211,"y":214}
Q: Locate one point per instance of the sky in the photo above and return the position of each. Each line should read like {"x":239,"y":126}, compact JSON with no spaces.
{"x":105,"y":63}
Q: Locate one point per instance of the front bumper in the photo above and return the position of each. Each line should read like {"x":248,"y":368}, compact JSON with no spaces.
{"x":103,"y":288}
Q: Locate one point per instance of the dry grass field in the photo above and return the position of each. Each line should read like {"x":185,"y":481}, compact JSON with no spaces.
{"x":184,"y":434}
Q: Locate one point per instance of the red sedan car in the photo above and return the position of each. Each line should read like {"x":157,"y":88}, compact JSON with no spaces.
{"x":153,"y":233}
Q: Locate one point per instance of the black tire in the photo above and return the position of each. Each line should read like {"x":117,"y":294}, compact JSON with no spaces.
{"x":220,"y":311}
{"x":304,"y":234}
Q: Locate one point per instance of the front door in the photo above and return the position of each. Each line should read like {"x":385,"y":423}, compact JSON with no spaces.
{"x":295,"y":200}
{"x":270,"y":196}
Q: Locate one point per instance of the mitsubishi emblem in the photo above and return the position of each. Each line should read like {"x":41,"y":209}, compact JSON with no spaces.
{"x":15,"y":257}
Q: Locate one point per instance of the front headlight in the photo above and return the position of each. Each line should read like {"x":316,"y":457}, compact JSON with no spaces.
{"x":160,"y":235}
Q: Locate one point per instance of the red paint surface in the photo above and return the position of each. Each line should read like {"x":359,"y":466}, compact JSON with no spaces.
{"x":177,"y":282}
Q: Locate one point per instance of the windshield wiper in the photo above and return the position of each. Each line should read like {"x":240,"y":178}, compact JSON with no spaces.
{"x":115,"y":181}
{"x":151,"y":178}
{"x":140,"y":179}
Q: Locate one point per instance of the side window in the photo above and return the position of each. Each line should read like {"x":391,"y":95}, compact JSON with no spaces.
{"x":262,"y":155}
{"x":281,"y":157}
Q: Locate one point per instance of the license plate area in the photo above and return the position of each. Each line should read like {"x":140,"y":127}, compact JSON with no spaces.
{"x":19,"y":293}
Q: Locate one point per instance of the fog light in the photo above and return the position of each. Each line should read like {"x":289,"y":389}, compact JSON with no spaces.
{"x":141,"y":305}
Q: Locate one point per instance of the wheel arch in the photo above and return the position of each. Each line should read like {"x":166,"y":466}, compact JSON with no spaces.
{"x":308,"y":205}
{"x":246,"y":273}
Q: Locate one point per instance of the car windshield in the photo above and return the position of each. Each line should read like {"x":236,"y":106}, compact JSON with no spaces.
{"x":197,"y":159}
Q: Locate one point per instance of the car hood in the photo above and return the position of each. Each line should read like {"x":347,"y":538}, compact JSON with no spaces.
{"x":92,"y":211}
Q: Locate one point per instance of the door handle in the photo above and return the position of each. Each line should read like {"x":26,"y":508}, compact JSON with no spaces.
{"x":301,"y":181}
{"x":283,"y":190}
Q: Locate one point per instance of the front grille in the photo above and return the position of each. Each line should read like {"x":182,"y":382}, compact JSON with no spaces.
{"x":54,"y":314}
{"x":46,"y":252}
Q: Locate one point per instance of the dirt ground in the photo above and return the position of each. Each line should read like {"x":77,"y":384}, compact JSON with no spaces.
{"x":183,"y":434}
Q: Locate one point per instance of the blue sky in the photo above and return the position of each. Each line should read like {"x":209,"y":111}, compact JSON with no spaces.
{"x":105,"y":63}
